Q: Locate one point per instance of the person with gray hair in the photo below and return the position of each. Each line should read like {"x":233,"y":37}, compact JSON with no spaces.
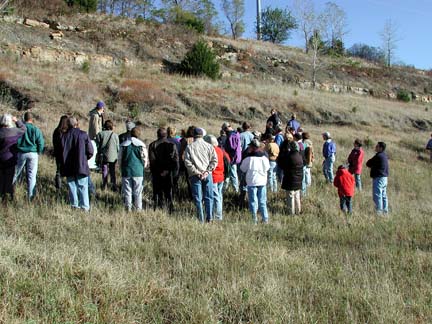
{"x":218,"y":177}
{"x":9,"y":136}
{"x":77,"y":150}
{"x":126,"y":135}
{"x":29,"y":146}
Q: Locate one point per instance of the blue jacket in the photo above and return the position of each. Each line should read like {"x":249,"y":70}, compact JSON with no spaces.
{"x":294,"y":124}
{"x":378,"y":165}
{"x":329,"y":149}
{"x":77,"y":150}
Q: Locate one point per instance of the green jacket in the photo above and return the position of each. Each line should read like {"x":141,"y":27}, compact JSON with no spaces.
{"x":32,"y":141}
{"x":133,"y":158}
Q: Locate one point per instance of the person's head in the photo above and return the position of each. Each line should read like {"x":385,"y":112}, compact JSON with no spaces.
{"x":293,"y":116}
{"x":211,"y":139}
{"x":161,"y":133}
{"x":273,"y":111}
{"x":341,"y":167}
{"x":136,"y":132}
{"x":254,"y":145}
{"x":256,"y":134}
{"x":222,"y":133}
{"x":226,"y":127}
{"x":269,"y":124}
{"x":291,"y":130}
{"x":297,"y":137}
{"x":358,"y":143}
{"x":6,"y":121}
{"x":380,"y":147}
{"x":289,"y":137}
{"x":28,"y":117}
{"x":100,"y":106}
{"x":130,"y":125}
{"x":326,"y":136}
{"x":198,"y":132}
{"x":305,"y":136}
{"x":72,"y":122}
{"x":278,"y":129}
{"x":63,"y":124}
{"x":246,"y":126}
{"x":239,"y":130}
{"x":108,"y":125}
{"x":190,"y":131}
{"x":171,"y":131}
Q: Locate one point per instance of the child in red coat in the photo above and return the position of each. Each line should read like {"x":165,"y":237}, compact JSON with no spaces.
{"x":345,"y":183}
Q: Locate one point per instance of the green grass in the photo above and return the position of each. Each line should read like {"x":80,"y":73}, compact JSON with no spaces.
{"x":59,"y":266}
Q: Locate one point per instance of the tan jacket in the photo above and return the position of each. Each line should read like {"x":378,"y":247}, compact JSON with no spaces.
{"x":200,"y":157}
{"x":272,"y":150}
{"x":95,"y":124}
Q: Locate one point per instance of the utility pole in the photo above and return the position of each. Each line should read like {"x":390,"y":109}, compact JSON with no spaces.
{"x":259,"y":19}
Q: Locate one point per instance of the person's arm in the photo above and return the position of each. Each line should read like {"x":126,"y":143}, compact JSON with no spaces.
{"x":144,"y":156}
{"x":89,"y":147}
{"x":190,"y":167}
{"x":213,"y":160}
{"x":40,"y":143}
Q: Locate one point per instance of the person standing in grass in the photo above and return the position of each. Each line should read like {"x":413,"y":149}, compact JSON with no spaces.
{"x":200,"y":161}
{"x":218,"y":175}
{"x":108,"y":147}
{"x":329,"y":154}
{"x":274,"y":119}
{"x":355,"y":161}
{"x":344,"y":182}
{"x":9,"y":136}
{"x":293,"y":123}
{"x":96,"y":120}
{"x":308,"y":162}
{"x":429,"y":147}
{"x":291,"y":162}
{"x":164,"y":167}
{"x":76,"y":151}
{"x":61,"y":129}
{"x":256,"y":166}
{"x":379,"y":172}
{"x":133,"y":160}
{"x":29,"y":146}
{"x":272,"y":150}
{"x":234,"y":150}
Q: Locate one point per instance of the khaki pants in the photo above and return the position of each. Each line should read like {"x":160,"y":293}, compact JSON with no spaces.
{"x":294,"y":203}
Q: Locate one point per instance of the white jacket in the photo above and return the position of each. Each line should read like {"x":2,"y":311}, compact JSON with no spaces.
{"x":256,"y":167}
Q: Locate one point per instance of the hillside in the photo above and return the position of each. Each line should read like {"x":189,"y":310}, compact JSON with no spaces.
{"x":109,"y":266}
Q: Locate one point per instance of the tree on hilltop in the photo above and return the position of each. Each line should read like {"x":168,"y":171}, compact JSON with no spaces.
{"x":276,"y":24}
{"x":234,"y":11}
{"x":390,"y":38}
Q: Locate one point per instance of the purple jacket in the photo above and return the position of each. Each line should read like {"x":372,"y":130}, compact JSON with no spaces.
{"x":8,"y":144}
{"x":77,"y":149}
{"x":233,"y":147}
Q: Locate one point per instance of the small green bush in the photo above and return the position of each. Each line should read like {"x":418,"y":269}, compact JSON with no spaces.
{"x":200,"y":60}
{"x":404,"y":95}
{"x":188,"y":19}
{"x":85,"y":67}
{"x":139,"y":20}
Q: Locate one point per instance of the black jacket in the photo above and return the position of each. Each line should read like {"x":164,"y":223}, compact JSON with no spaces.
{"x":292,"y":165}
{"x":378,"y":165}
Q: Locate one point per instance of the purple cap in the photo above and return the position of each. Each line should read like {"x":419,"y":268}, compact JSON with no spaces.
{"x":100,"y":104}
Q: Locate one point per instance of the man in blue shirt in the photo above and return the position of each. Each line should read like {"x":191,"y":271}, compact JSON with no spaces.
{"x":329,"y":154}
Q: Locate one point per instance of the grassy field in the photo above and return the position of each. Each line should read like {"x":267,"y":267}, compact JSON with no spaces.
{"x":109,"y":266}
{"x":60,"y":266}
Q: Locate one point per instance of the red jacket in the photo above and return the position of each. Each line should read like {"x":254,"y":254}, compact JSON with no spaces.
{"x":218,"y":172}
{"x":355,"y":160}
{"x":345,"y":183}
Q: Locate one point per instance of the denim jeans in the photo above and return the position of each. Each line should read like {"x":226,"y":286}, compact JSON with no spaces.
{"x":233,"y":178}
{"x":346,"y":204}
{"x":132,"y":188}
{"x":272,"y":179}
{"x":328,"y":168}
{"x":78,"y":192}
{"x":294,"y":202}
{"x":380,"y":194}
{"x":307,"y":179}
{"x":258,"y":201}
{"x":30,"y":162}
{"x":358,"y":183}
{"x":218,"y":200}
{"x":203,"y":188}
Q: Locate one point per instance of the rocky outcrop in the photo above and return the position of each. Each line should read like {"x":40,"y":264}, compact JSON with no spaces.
{"x":35,"y":23}
{"x":55,"y":55}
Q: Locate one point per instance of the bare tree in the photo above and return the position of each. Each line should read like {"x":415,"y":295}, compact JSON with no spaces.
{"x":304,"y":13}
{"x":390,"y":38}
{"x":335,"y":23}
{"x":234,"y":11}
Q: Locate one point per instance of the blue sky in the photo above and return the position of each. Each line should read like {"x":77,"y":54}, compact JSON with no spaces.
{"x":366,"y":19}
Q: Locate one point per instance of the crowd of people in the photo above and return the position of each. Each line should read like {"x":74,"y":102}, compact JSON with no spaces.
{"x":248,"y":161}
